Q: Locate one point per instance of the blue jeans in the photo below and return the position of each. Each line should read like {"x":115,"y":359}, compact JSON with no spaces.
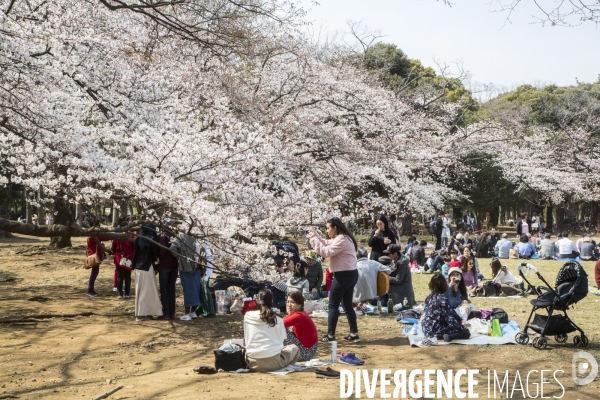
{"x":342,"y":288}
{"x":167,"y":279}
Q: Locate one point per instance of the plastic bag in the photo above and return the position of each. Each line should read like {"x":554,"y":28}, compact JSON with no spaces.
{"x":237,"y":306}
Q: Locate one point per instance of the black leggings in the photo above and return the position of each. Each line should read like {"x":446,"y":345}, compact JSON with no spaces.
{"x":123,"y":275}
{"x":462,"y":334}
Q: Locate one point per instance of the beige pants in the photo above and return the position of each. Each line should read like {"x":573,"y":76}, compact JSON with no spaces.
{"x":289,"y":355}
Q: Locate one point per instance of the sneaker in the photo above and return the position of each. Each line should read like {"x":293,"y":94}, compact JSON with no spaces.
{"x":120,"y":297}
{"x":115,"y":289}
{"x":351,"y":359}
{"x":193,"y":315}
{"x":328,"y":338}
{"x":352,"y":338}
{"x":141,"y":319}
{"x":359,"y":311}
{"x":413,"y":331}
{"x":427,"y":342}
{"x":185,"y":317}
{"x":92,"y":294}
{"x":327,"y":373}
{"x":127,"y":296}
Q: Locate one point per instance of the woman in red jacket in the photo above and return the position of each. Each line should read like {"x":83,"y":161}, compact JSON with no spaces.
{"x":301,"y":330}
{"x":93,"y":247}
{"x":123,"y":251}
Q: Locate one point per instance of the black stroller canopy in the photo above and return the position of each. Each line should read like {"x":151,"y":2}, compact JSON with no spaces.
{"x":574,"y":278}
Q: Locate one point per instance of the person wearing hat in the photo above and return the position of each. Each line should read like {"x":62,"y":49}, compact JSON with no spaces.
{"x":401,"y":278}
{"x":457,"y":290}
{"x":314,"y":275}
{"x":366,"y":287}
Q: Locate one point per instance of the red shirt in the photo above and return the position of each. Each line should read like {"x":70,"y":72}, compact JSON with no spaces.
{"x":455,"y":263}
{"x":328,"y":279}
{"x":122,"y":248}
{"x":92,"y":247}
{"x":304,"y":328}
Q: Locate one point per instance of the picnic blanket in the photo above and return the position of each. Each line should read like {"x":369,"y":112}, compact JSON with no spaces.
{"x":300,"y":366}
{"x":509,"y":331}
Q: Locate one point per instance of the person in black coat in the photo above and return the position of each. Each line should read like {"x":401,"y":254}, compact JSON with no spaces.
{"x":439,"y":228}
{"x":381,"y":237}
{"x":418,"y":253}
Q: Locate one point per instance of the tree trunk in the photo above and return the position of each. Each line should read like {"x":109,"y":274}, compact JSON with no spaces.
{"x":79,"y":213}
{"x":63,"y":216}
{"x":115,"y":214}
{"x":494,"y":217}
{"x":405,"y":226}
{"x":560,"y":217}
{"x":27,"y":207}
{"x":40,"y":209}
{"x":549,"y":219}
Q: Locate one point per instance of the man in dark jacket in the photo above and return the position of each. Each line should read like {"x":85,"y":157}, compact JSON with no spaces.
{"x":314,"y":275}
{"x":418,"y":253}
{"x":400,"y":279}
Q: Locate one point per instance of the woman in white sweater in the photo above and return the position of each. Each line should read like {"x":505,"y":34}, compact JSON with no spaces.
{"x":264,"y":334}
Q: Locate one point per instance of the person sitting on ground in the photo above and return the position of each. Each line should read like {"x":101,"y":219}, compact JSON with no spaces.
{"x":434,"y":262}
{"x":454,"y":261}
{"x":440,"y":321}
{"x":264,"y":334}
{"x":446,"y":266}
{"x":547,"y":248}
{"x":457,"y":291}
{"x":565,"y":247}
{"x":482,"y":250}
{"x":301,"y":330}
{"x":401,"y":278}
{"x":503,"y":247}
{"x":366,"y":287}
{"x":470,"y":275}
{"x":587,"y":249}
{"x":314,"y":275}
{"x":525,"y":248}
{"x":493,"y":238}
{"x":503,"y":277}
{"x":417,"y":253}
{"x":381,"y":237}
{"x":467,"y":253}
{"x":298,"y":281}
{"x":409,"y":244}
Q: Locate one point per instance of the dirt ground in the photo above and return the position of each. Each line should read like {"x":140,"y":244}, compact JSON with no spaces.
{"x":68,"y":357}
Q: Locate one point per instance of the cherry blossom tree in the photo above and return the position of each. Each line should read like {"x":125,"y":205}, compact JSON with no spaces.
{"x":234,"y":130}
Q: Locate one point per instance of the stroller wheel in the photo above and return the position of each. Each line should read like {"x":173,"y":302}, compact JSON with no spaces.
{"x":521,"y":338}
{"x":577,"y":341}
{"x":535,"y":342}
{"x":542,"y":343}
{"x":561,"y":338}
{"x":584,"y":341}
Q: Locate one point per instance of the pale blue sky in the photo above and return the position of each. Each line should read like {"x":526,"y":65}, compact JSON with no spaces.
{"x":494,"y":51}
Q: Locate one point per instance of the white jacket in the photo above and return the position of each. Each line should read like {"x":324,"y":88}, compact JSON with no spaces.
{"x":366,"y":287}
{"x":262,"y":340}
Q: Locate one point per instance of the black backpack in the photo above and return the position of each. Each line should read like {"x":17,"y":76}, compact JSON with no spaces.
{"x":499,"y":314}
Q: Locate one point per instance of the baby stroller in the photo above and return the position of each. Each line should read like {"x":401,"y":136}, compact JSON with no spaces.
{"x":571,"y":286}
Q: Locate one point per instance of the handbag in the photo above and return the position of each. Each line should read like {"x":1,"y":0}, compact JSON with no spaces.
{"x":231,"y":360}
{"x":513,"y":254}
{"x":124,"y":262}
{"x":92,"y":261}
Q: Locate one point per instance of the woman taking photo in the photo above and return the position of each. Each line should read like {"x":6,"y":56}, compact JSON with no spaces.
{"x":457,"y":291}
{"x":381,"y":237}
{"x":264,"y":334}
{"x":341,"y":251}
{"x":301,"y":330}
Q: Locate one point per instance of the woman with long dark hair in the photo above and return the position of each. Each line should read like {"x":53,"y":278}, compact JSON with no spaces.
{"x":264,"y":334}
{"x":341,"y":251}
{"x":301,"y":329}
{"x":381,"y":237}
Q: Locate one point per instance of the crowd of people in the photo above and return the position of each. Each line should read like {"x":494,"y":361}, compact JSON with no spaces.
{"x":350,"y":283}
